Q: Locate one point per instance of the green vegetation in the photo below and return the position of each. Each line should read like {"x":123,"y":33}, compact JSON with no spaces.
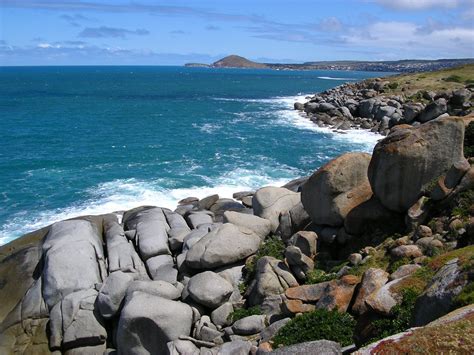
{"x":316,"y":325}
{"x":378,"y":260}
{"x":454,"y":79}
{"x":449,"y":79}
{"x":469,"y":140}
{"x":466,"y":296}
{"x":317,"y":275}
{"x":465,"y":204}
{"x":272,"y":246}
{"x":240,"y":313}
{"x":400,"y":318}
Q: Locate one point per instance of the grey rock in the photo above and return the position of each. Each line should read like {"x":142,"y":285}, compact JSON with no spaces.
{"x":182,"y":347}
{"x":403,"y":271}
{"x":220,"y":316}
{"x":437,"y":299}
{"x":161,"y":267}
{"x":269,"y":332}
{"x":196,"y":218}
{"x":272,"y":278}
{"x":460,"y":97}
{"x":270,"y":202}
{"x":157,"y":288}
{"x":372,"y":280}
{"x":249,"y":325}
{"x":433,"y":110}
{"x":225,"y":245}
{"x":207,"y":202}
{"x":260,"y":226}
{"x":151,"y":231}
{"x":236,"y":347}
{"x":336,"y":188}
{"x":71,"y":248}
{"x":411,"y":111}
{"x":147,"y":323}
{"x":112,"y":293}
{"x":209,"y":289}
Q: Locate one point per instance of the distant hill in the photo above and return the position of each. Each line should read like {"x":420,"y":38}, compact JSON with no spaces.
{"x":236,"y":61}
{"x":402,"y":66}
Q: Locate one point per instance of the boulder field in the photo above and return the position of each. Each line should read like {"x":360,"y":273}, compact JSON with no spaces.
{"x":359,"y":237}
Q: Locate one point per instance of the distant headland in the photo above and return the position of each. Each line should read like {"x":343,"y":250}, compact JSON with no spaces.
{"x":406,"y":66}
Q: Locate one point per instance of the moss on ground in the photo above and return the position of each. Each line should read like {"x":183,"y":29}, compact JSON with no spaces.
{"x":240,"y":313}
{"x":456,"y":337}
{"x":317,"y":276}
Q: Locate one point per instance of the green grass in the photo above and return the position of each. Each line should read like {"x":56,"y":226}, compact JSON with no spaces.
{"x":317,"y":325}
{"x":317,"y":276}
{"x":466,"y":296}
{"x":240,"y":313}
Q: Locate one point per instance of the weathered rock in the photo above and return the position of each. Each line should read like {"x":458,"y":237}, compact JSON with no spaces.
{"x":372,"y":280}
{"x":260,"y":226}
{"x":209,"y":289}
{"x":293,"y":307}
{"x":272,"y":278}
{"x":338,"y":293}
{"x":438,"y":297}
{"x":249,"y":325}
{"x":433,"y":110}
{"x":225,"y":245}
{"x":403,"y":271}
{"x":460,"y":97}
{"x":337,"y":188}
{"x":121,"y":254}
{"x":307,"y":293}
{"x":112,"y":293}
{"x":197,"y":218}
{"x":385,"y":298}
{"x":71,"y":248}
{"x":73,"y":322}
{"x":371,"y":215}
{"x":407,"y":161}
{"x":306,"y":241}
{"x":299,"y":263}
{"x":236,"y":347}
{"x":412,"y":111}
{"x":269,"y":332}
{"x":207,"y":202}
{"x":151,"y":231}
{"x":220,"y":316}
{"x":325,"y":347}
{"x":161,"y":267}
{"x":406,"y":251}
{"x":147,"y":323}
{"x":270,"y":202}
{"x":157,"y":288}
{"x":182,"y":347}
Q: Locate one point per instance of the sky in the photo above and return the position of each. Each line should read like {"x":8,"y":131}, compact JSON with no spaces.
{"x":142,"y":32}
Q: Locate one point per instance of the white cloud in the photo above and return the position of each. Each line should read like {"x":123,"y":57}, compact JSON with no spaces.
{"x":405,"y":40}
{"x":418,"y":4}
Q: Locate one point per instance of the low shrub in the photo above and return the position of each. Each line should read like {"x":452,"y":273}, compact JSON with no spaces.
{"x":400,"y":318}
{"x":466,"y":296}
{"x":393,"y":85}
{"x":469,"y":140}
{"x":317,"y":325}
{"x":454,"y":79}
{"x":240,"y":313}
{"x":317,"y":275}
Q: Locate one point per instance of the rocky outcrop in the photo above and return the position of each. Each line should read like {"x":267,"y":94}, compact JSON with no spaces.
{"x":337,"y":188}
{"x":406,"y":162}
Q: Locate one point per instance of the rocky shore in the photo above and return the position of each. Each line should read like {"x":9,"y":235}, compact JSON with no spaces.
{"x":379,"y":104}
{"x":370,"y":254}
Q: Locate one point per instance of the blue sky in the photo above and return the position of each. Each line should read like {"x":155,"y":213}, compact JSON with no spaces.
{"x":71,"y":32}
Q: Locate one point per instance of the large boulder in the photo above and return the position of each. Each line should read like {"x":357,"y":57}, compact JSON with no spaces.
{"x":260,"y":226}
{"x":209,"y":289}
{"x":269,"y":202}
{"x":148,"y":322}
{"x":433,"y":110}
{"x":71,"y":248}
{"x":337,"y":188}
{"x":224,"y":245}
{"x":151,"y":234}
{"x":112,"y":293}
{"x":372,"y":280}
{"x":272,"y":278}
{"x":408,"y":160}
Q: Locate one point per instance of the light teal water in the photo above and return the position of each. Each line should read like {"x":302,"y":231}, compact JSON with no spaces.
{"x":79,"y":140}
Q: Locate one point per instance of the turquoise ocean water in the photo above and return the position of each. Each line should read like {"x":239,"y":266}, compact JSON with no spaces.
{"x":87,"y":140}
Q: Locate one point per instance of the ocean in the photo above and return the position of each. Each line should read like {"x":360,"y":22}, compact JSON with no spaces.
{"x":90,"y":140}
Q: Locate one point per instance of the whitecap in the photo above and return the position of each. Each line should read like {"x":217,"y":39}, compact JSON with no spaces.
{"x":334,"y":78}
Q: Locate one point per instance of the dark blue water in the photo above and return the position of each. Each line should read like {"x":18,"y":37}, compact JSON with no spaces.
{"x":79,"y":140}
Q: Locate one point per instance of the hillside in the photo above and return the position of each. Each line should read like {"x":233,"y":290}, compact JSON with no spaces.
{"x":401,"y":66}
{"x":235,"y":61}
